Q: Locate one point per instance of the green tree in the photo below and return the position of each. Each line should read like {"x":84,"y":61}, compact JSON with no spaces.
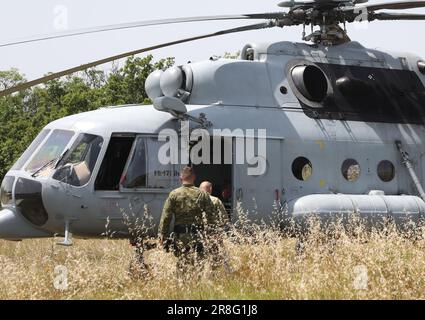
{"x":127,"y":85}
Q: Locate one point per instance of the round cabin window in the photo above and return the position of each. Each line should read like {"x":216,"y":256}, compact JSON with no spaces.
{"x":351,"y":170}
{"x":302,"y":168}
{"x":386,"y":171}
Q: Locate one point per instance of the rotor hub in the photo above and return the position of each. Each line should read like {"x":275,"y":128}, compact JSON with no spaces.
{"x":329,"y":14}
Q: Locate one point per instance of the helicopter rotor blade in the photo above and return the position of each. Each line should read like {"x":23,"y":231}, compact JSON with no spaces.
{"x":396,"y":5}
{"x":290,"y":4}
{"x":138,"y":24}
{"x":396,"y":16}
{"x":52,"y":76}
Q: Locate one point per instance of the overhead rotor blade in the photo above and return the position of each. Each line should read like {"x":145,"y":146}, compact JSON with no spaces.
{"x":313,"y":3}
{"x":397,"y":16}
{"x":60,"y":74}
{"x":396,"y":5}
{"x":289,"y":4}
{"x":139,"y":24}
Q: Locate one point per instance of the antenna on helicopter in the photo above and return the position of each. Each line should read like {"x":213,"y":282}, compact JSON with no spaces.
{"x":327,"y":14}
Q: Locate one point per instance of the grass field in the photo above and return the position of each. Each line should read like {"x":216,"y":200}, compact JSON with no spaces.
{"x":372,"y":266}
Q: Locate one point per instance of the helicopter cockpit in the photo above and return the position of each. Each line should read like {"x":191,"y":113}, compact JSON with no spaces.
{"x":66,"y":160}
{"x":69,"y":157}
{"x":50,"y":152}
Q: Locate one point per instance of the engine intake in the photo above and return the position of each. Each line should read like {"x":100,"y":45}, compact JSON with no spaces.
{"x":311,"y":82}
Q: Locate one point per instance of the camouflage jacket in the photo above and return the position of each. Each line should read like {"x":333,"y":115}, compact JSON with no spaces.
{"x":187,"y":205}
{"x":221,"y":214}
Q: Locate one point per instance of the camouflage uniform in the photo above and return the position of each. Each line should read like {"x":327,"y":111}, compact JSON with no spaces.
{"x":222,"y":216}
{"x":216,"y":241}
{"x":192,"y":210}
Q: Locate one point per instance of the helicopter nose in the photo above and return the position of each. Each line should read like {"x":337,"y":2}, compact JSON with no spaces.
{"x":14,"y":227}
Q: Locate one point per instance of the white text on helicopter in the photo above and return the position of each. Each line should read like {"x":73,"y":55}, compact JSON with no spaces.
{"x":250,"y":149}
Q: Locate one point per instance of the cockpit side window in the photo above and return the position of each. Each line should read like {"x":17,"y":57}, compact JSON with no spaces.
{"x":135,"y":175}
{"x":50,"y":150}
{"x":144,"y":170}
{"x":78,"y":164}
{"x":30,"y":150}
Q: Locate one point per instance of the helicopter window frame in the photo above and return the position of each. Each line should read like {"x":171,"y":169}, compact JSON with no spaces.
{"x":299,"y":166}
{"x":45,"y":143}
{"x":386,"y":174}
{"x":167,"y":174}
{"x":350,"y":164}
{"x":67,"y":165}
{"x":130,"y":160}
{"x":31,"y":149}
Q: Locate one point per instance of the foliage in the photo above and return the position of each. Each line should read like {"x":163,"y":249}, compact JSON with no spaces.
{"x":234,"y":56}
{"x":24,"y":114}
{"x":258,"y":262}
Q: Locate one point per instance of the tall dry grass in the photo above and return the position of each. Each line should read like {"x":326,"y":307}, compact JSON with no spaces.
{"x":260,"y":263}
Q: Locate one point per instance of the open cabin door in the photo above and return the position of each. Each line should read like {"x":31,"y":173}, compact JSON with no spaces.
{"x":218,"y":170}
{"x":107,"y":194}
{"x":257,"y":193}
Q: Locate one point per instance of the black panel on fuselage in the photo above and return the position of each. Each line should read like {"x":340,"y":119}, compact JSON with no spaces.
{"x":371,"y":95}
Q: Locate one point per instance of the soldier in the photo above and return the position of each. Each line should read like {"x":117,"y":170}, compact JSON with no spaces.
{"x":192,"y":210}
{"x":219,"y":208}
{"x":216,"y":240}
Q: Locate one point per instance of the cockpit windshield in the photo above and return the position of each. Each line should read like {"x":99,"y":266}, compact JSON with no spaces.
{"x":78,"y":164}
{"x":50,"y":150}
{"x":30,"y":150}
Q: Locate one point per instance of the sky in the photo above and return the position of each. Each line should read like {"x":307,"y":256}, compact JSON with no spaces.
{"x":25,"y":18}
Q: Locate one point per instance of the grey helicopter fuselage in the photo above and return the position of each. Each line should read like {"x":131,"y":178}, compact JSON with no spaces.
{"x":315,"y":136}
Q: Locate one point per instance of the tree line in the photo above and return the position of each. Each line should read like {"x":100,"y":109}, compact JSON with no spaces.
{"x":24,"y":114}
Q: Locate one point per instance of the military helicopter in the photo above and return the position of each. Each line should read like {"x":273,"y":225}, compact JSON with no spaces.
{"x":344,"y":131}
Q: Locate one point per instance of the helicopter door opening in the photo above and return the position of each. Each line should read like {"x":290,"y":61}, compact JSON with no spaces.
{"x":220,"y":175}
{"x":114,"y":162}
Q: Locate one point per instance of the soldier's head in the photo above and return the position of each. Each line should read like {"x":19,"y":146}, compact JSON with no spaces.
{"x":187,"y":175}
{"x":206,"y":186}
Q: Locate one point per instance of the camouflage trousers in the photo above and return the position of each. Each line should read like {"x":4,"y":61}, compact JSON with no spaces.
{"x":189,"y":249}
{"x":214,"y":250}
